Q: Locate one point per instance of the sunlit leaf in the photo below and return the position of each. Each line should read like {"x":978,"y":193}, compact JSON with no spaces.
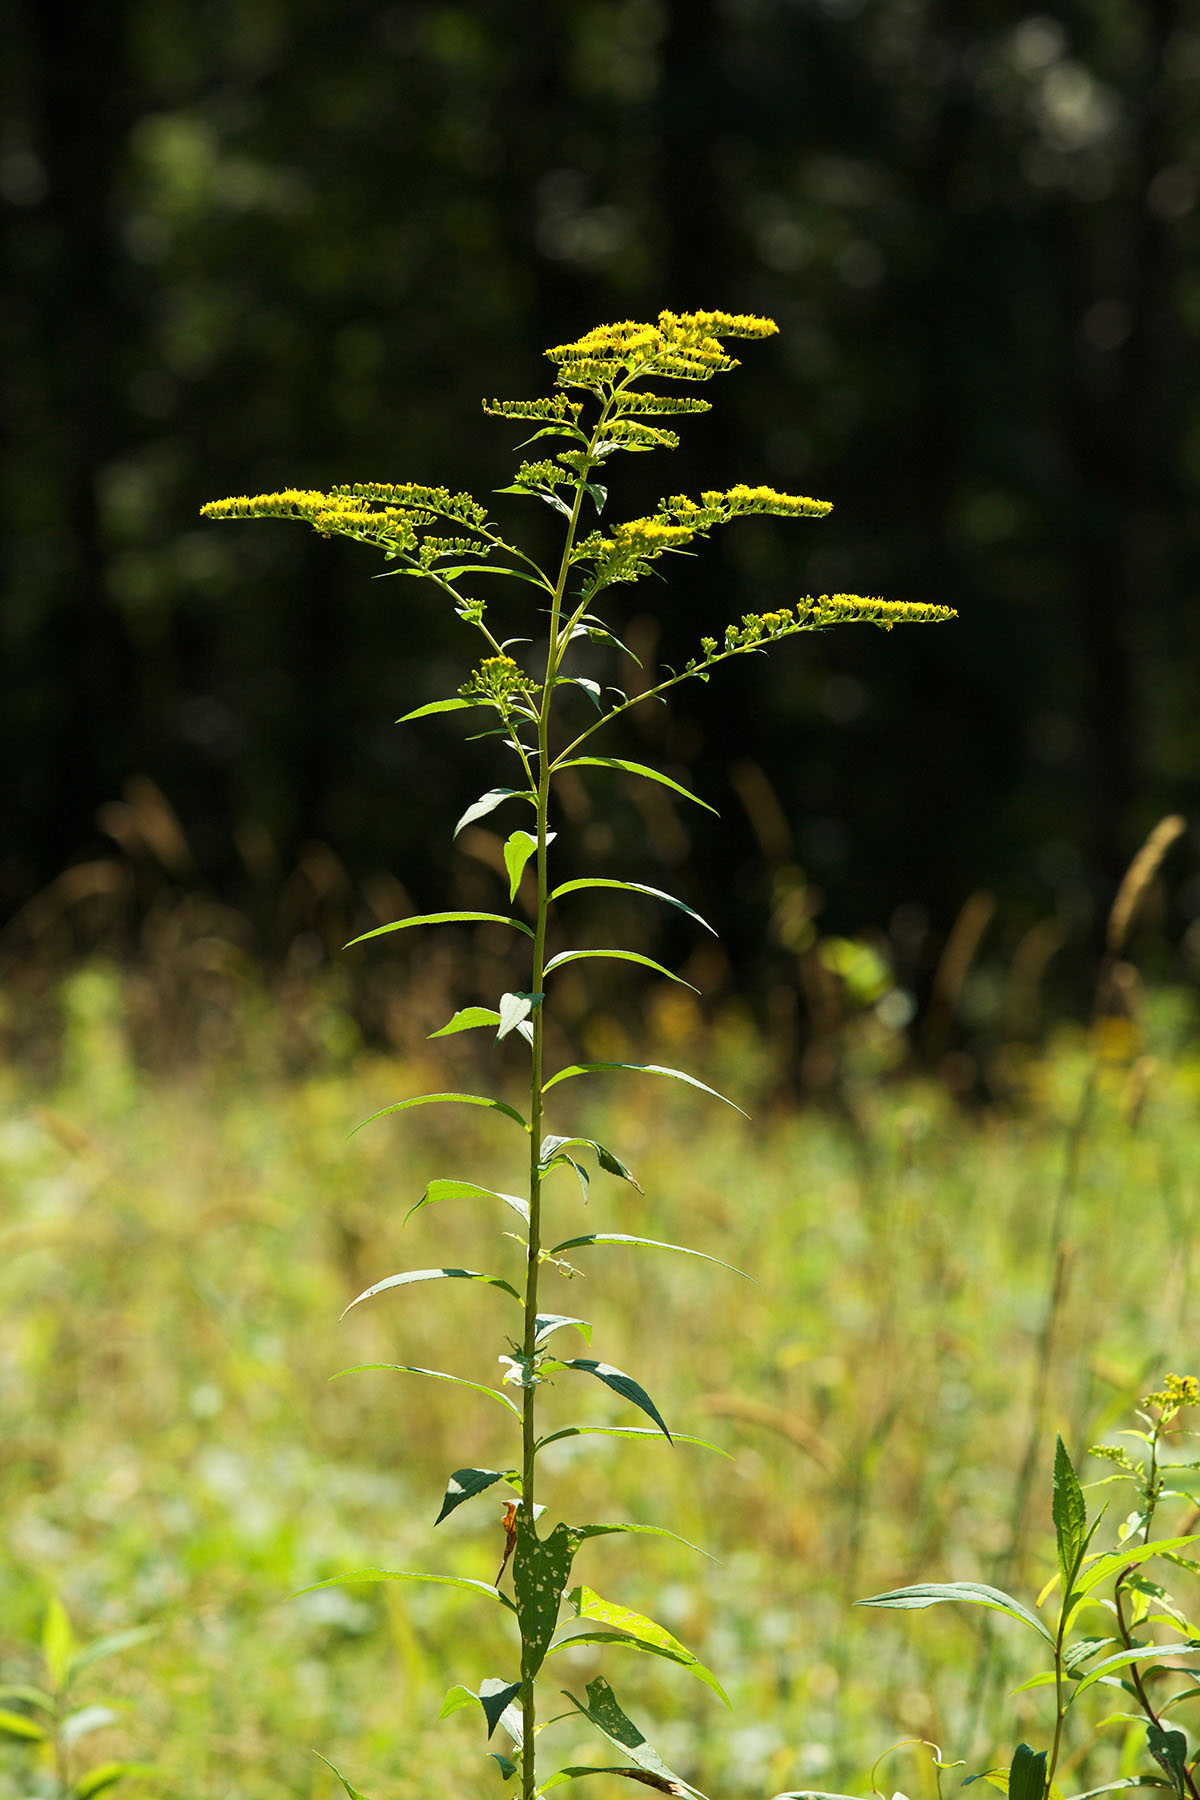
{"x":352,"y":1791}
{"x":434,"y":1375}
{"x":646,"y":1634}
{"x":599,"y":1068}
{"x":461,"y":1581}
{"x":1070,"y":1516}
{"x":623,"y":1237}
{"x":111,"y":1645}
{"x":1127,"y":1557}
{"x":648,"y":1779}
{"x":487,"y":803}
{"x":16,"y":1725}
{"x":975,"y":1593}
{"x":629,"y":887}
{"x":442,"y":918}
{"x":633,"y":956}
{"x":632,"y":768}
{"x":610,"y":1163}
{"x":456,"y":704}
{"x":514,"y":1010}
{"x":510,"y":1112}
{"x":106,"y":1775}
{"x":547,"y":1323}
{"x":621,"y":1384}
{"x":464,"y":1484}
{"x":58,"y":1642}
{"x":450,"y":1189}
{"x":517,"y":852}
{"x":633,"y":1431}
{"x":614,"y":1724}
{"x":466,"y":1019}
{"x":541,"y":1568}
{"x":495,"y":1697}
{"x":410,"y":1276}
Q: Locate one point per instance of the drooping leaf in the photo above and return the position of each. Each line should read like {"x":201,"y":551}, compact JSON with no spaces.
{"x":495,"y":1697}
{"x":621,"y":1384}
{"x":464,"y":1484}
{"x":1150,"y":1654}
{"x":629,"y":887}
{"x":466,"y":1019}
{"x":1070,"y":1516}
{"x":514,"y":1010}
{"x":541,"y":1568}
{"x":589,"y":687}
{"x":1169,"y":1750}
{"x":599,"y":1068}
{"x":633,"y":768}
{"x":517,"y":852}
{"x":973,"y":1592}
{"x":1027,"y":1775}
{"x":434,"y":1375}
{"x":444,"y":918}
{"x":487,"y":803}
{"x":353,"y":1792}
{"x":547,"y":1323}
{"x":581,"y":1533}
{"x":411,"y":1276}
{"x":633,"y":956}
{"x":1127,"y":1557}
{"x":623,"y":1237}
{"x":607,"y":1716}
{"x":13,"y":1724}
{"x":634,"y":1431}
{"x":507,"y":1767}
{"x":646,"y":1634}
{"x":565,"y":1161}
{"x":83,"y":1721}
{"x":451,"y":1189}
{"x":110,"y":1645}
{"x":462,"y":1581}
{"x":106,"y":1775}
{"x":610,"y":1163}
{"x":510,"y":1112}
{"x":577,"y":1771}
{"x":34,"y":1696}
{"x":457,"y":704}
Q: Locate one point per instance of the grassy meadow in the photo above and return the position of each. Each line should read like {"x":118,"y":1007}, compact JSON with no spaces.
{"x":180,"y":1231}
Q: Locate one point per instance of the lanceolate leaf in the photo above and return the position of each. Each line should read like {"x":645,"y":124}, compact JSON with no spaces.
{"x":1027,"y":1776}
{"x":932,"y":1593}
{"x":494,"y":1697}
{"x":644,"y":1633}
{"x":414,"y":1275}
{"x":633,"y":768}
{"x":16,"y":1725}
{"x":1149,"y":1654}
{"x":467,"y":1190}
{"x":577,"y":1771}
{"x":621,"y":1384}
{"x":547,"y":1323}
{"x":110,"y":1645}
{"x":445,"y":918}
{"x":610,"y":1163}
{"x":581,"y":1533}
{"x":106,"y":1775}
{"x":352,"y":1791}
{"x":510,"y":1112}
{"x":466,"y":1019}
{"x":1070,"y":1516}
{"x":487,"y":803}
{"x":462,"y":1581}
{"x":457,"y":704}
{"x":569,"y":956}
{"x":464,"y":1484}
{"x":633,"y":1431}
{"x":622,"y":1237}
{"x":599,"y":1068}
{"x":1112,"y":1564}
{"x":629,"y":887}
{"x":608,"y":1718}
{"x":541,"y":1567}
{"x":434,"y":1375}
{"x":517,"y":852}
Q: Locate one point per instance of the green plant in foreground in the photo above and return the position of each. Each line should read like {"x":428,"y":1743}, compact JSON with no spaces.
{"x":47,"y":1718}
{"x":602,"y":405}
{"x":1107,"y":1604}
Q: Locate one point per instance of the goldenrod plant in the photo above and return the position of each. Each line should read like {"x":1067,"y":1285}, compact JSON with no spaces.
{"x":612,"y":394}
{"x":1103,"y":1619}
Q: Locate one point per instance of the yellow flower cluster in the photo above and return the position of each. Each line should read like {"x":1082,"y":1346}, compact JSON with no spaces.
{"x":498,"y":679}
{"x":1177,"y":1391}
{"x":810,"y":615}
{"x":388,"y":513}
{"x":683,"y":346}
{"x":743,"y":499}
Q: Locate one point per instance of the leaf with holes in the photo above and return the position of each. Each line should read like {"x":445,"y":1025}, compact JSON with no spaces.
{"x":607,"y":1716}
{"x":464,"y":1484}
{"x":623,"y":1626}
{"x":541,"y":1567}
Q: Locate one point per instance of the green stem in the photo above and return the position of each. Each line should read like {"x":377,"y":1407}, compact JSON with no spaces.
{"x":533,"y":1263}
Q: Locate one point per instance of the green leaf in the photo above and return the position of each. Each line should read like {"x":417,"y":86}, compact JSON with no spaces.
{"x":111,"y":1645}
{"x":434,"y":1375}
{"x":105,"y":1775}
{"x":577,"y":1771}
{"x":1070,"y":1516}
{"x":35,"y":1696}
{"x":450,"y":1189}
{"x":83,"y":1721}
{"x":506,"y":1765}
{"x":621,"y":1384}
{"x":466,"y":1019}
{"x":614,"y":1724}
{"x":494,"y":1697}
{"x":629,"y":887}
{"x":623,"y":1237}
{"x":457,"y":704}
{"x":1126,"y":1558}
{"x":487,"y":803}
{"x":443,"y":918}
{"x":352,"y":1791}
{"x":517,"y":852}
{"x":569,"y":956}
{"x":16,"y":1725}
{"x":1146,"y":1653}
{"x":1027,"y":1776}
{"x":58,"y":1642}
{"x":464,"y":1484}
{"x":610,"y":1163}
{"x":632,"y":1627}
{"x":461,"y":1581}
{"x":632,"y":768}
{"x":541,"y":1567}
{"x":599,"y":1068}
{"x":551,"y":1322}
{"x":932,"y":1593}
{"x":514,"y":1009}
{"x":590,"y":688}
{"x":634,"y":1431}
{"x":510,"y":1112}
{"x":1076,"y":1654}
{"x":580,"y":1533}
{"x":414,"y":1275}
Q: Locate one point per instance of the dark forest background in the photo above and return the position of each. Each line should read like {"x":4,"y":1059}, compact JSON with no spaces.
{"x":251,"y":244}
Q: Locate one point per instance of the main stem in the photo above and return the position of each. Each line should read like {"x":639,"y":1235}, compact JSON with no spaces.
{"x":533,"y":1264}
